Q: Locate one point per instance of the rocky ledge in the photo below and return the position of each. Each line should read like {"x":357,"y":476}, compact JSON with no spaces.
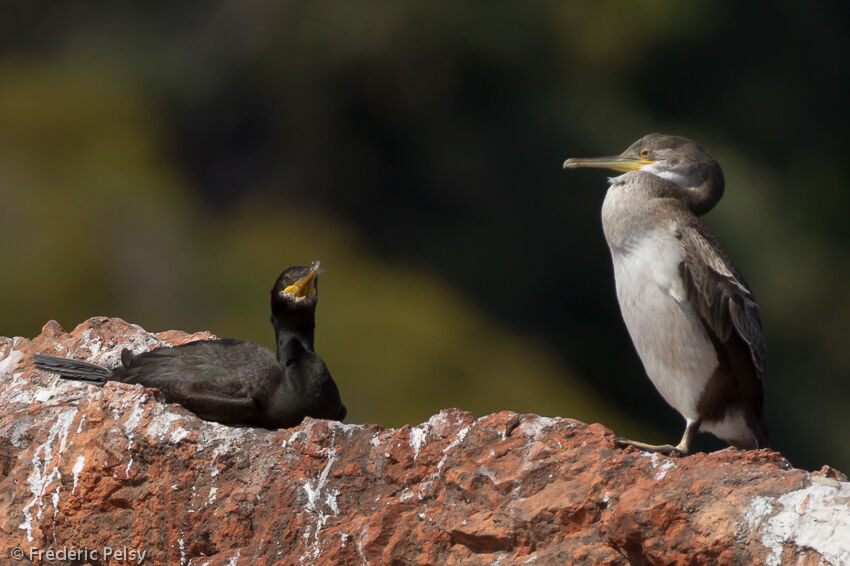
{"x":106,"y":474}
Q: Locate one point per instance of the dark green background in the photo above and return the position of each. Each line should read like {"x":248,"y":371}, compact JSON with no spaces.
{"x":163,"y":163}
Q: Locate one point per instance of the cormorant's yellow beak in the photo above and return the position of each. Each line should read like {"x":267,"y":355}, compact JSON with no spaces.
{"x":305,"y":287}
{"x":619,"y":163}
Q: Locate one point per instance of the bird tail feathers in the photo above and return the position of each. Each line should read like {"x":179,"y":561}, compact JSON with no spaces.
{"x":72,"y":369}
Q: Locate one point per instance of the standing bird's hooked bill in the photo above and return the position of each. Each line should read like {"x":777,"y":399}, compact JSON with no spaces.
{"x":691,"y":316}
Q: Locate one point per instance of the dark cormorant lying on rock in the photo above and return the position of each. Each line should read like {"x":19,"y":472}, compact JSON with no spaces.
{"x":236,"y":381}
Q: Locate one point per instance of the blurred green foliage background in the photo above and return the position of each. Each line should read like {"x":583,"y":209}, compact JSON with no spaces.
{"x":164,"y":162}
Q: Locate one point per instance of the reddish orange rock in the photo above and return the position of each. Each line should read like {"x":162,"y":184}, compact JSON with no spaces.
{"x":118,"y":472}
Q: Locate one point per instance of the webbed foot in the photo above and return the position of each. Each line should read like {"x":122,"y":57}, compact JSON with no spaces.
{"x":666,"y":449}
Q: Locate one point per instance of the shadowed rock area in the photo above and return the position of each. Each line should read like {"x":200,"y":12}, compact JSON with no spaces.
{"x":86,"y":468}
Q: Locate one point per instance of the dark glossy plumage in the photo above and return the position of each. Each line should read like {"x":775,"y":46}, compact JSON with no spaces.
{"x":233,"y":381}
{"x":294,"y":314}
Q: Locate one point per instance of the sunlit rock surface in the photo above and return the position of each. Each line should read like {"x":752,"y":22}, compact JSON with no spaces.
{"x":114,"y":469}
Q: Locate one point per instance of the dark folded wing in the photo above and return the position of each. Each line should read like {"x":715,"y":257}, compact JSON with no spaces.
{"x":227,"y":368}
{"x":727,"y":307}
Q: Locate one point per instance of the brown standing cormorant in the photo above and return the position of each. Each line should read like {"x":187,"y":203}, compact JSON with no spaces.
{"x":691,"y":316}
{"x":236,"y":381}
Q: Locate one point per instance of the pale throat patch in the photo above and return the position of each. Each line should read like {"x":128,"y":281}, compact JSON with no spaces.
{"x":295,"y":298}
{"x":675,"y":177}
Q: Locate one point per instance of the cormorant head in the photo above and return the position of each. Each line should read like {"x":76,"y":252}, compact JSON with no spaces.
{"x":675,"y":159}
{"x":296,"y":286}
{"x":294,"y":298}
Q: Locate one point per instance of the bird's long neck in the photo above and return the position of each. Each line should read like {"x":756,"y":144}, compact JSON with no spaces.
{"x":703,"y":197}
{"x":300,"y":324}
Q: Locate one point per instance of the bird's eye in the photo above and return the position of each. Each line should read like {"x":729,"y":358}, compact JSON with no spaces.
{"x":287,"y":281}
{"x":645,"y":153}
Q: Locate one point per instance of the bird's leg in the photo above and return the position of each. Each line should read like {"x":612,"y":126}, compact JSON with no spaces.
{"x":691,"y":430}
{"x":681,"y":449}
